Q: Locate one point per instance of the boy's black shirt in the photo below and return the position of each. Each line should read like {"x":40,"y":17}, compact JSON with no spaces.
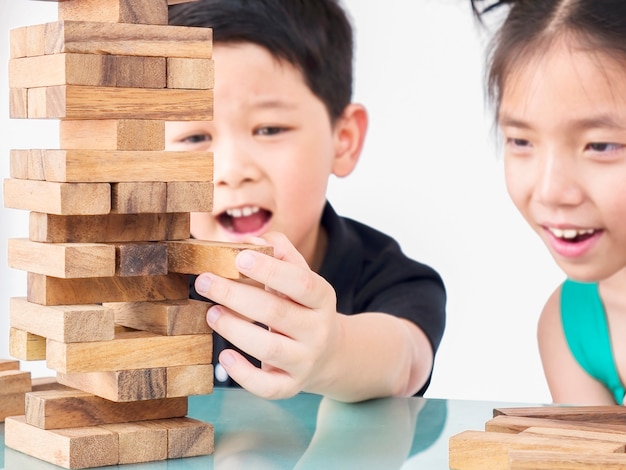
{"x":370,"y":273}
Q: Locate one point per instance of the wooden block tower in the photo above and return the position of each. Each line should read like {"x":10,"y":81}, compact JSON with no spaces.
{"x":108,"y":252}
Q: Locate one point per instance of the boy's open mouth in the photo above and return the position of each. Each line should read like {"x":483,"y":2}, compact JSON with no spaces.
{"x":246,"y":219}
{"x":572,"y":235}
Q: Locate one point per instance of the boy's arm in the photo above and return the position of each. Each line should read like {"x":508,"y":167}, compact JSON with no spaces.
{"x":309,"y":346}
{"x":569,"y":383}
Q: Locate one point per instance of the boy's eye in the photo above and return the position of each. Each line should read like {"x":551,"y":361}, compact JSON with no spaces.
{"x":603,"y":146}
{"x":518,"y":142}
{"x":269,"y":130}
{"x":196,"y":139}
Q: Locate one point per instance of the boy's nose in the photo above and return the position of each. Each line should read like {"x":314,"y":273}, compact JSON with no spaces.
{"x":557,"y":181}
{"x":233,"y":166}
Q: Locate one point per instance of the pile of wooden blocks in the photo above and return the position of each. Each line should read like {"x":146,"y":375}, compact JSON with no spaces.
{"x":544,"y":438}
{"x":109,"y":251}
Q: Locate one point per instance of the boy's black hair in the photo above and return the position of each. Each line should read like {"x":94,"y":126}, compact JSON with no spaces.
{"x":315,"y":36}
{"x":532,"y":25}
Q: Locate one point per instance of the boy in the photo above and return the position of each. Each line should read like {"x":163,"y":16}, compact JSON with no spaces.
{"x":344,"y":313}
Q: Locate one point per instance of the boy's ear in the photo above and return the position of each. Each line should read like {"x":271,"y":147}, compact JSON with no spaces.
{"x":350,"y":131}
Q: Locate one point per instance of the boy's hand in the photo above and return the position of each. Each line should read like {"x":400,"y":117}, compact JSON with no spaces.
{"x":299,"y":308}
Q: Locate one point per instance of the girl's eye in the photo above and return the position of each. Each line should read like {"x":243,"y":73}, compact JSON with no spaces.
{"x":269,"y":130}
{"x":603,"y":147}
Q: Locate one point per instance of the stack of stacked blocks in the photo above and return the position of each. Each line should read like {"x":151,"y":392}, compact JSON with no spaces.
{"x":108,"y":252}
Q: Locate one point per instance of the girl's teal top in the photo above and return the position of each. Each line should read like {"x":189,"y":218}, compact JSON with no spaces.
{"x":586,"y":330}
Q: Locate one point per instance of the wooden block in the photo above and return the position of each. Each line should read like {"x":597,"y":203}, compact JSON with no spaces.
{"x":64,"y":260}
{"x":141,"y":72}
{"x":36,"y":40}
{"x":9,"y":364}
{"x":91,"y":102}
{"x":64,"y":323}
{"x":168,"y":317}
{"x":18,"y":161}
{"x":176,"y":2}
{"x":58,"y":198}
{"x":108,"y":228}
{"x":69,"y":448}
{"x":185,"y":381}
{"x":18,"y":103}
{"x":129,"y":350}
{"x":141,"y":259}
{"x":120,"y":385}
{"x":26,"y":346}
{"x":115,"y":11}
{"x":88,"y":37}
{"x":612,"y":414}
{"x":14,"y":381}
{"x":18,"y":43}
{"x":139,"y":197}
{"x":542,"y":460}
{"x":584,"y":435}
{"x":113,"y":134}
{"x":61,"y":409}
{"x":46,"y":290}
{"x":188,"y":437}
{"x":41,"y":384}
{"x":478,"y":450}
{"x":143,"y":441}
{"x":63,"y":69}
{"x":101,"y":166}
{"x":189,"y":196}
{"x":515,"y":424}
{"x":195,"y":74}
{"x":197,"y":256}
{"x":11,"y":405}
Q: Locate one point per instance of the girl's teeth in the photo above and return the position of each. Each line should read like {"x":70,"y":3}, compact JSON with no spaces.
{"x":570,"y":233}
{"x":243,"y":211}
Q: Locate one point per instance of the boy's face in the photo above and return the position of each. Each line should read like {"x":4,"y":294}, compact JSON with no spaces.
{"x":564,"y":119}
{"x":274,"y":150}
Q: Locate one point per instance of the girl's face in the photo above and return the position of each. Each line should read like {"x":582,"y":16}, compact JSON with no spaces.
{"x":563,"y":116}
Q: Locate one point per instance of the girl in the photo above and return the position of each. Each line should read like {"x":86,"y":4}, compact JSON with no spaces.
{"x":557,"y":76}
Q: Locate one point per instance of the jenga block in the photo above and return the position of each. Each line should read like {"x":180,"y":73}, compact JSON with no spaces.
{"x":176,"y":2}
{"x":26,"y":346}
{"x":141,"y":259}
{"x":139,"y":197}
{"x":18,"y":103}
{"x":168,"y":317}
{"x":11,"y":404}
{"x":197,"y":256}
{"x":18,"y":161}
{"x":66,"y":323}
{"x":143,"y":441}
{"x":88,"y":37}
{"x":91,"y":102}
{"x":475,"y":450}
{"x":188,"y":437}
{"x":515,"y":424}
{"x":542,"y":460}
{"x":108,"y":228}
{"x":36,"y":40}
{"x":28,"y":164}
{"x":120,"y":385}
{"x":9,"y":364}
{"x":584,"y":435}
{"x":129,"y":350}
{"x":100,"y":166}
{"x":18,"y":43}
{"x":69,"y":448}
{"x":14,"y":381}
{"x":63,"y":69}
{"x":189,"y":196}
{"x":58,"y":198}
{"x":60,"y":409}
{"x":46,"y":290}
{"x":112,"y":134}
{"x":41,"y":384}
{"x":115,"y":11}
{"x":141,"y":72}
{"x":64,"y":260}
{"x":590,"y":414}
{"x":196,"y":74}
{"x":196,"y":379}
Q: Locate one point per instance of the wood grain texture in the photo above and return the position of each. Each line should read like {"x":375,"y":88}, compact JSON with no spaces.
{"x":11,"y":404}
{"x":142,"y":441}
{"x":115,"y":11}
{"x":108,"y":228}
{"x":112,"y":134}
{"x":590,"y":414}
{"x":64,"y":260}
{"x":64,"y":323}
{"x":197,"y":256}
{"x":516,"y":424}
{"x":58,"y":198}
{"x":543,"y":460}
{"x":139,"y":197}
{"x":9,"y":364}
{"x":188,"y":437}
{"x":194,"y":74}
{"x":189,"y":196}
{"x":61,"y":409}
{"x":196,"y":379}
{"x":129,"y":350}
{"x":141,"y":259}
{"x":14,"y":381}
{"x":47,"y":290}
{"x":26,"y":346}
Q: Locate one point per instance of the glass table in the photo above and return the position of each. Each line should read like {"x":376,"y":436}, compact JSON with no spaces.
{"x":312,"y":432}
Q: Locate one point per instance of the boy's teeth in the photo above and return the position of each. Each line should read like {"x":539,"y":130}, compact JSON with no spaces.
{"x":570,"y":233}
{"x":242,"y":211}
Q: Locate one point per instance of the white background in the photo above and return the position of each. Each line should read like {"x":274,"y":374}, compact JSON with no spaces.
{"x":430,"y":176}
